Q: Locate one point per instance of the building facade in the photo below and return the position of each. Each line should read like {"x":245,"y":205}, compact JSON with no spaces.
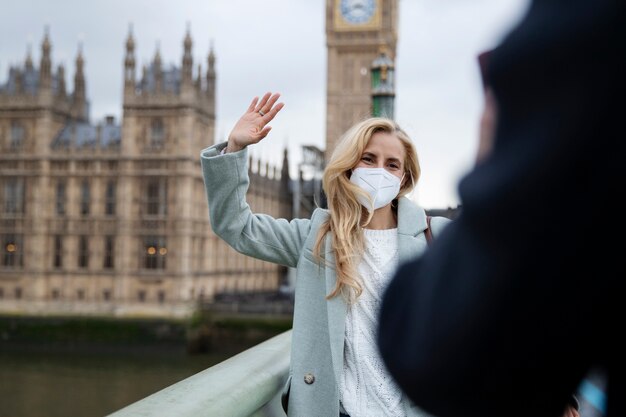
{"x":357,"y":31}
{"x":111,"y":218}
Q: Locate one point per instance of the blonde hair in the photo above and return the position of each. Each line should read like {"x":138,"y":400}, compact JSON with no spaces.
{"x":347,"y":215}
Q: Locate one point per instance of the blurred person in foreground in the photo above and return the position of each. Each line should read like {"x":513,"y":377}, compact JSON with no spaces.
{"x":488,"y":123}
{"x":486,"y":323}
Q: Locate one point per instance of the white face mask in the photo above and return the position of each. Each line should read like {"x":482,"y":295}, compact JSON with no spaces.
{"x":382,"y":186}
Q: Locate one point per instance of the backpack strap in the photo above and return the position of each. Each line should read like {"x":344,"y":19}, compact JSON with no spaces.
{"x":427,"y":232}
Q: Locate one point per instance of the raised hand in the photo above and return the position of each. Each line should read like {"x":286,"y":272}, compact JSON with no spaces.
{"x":252,"y":126}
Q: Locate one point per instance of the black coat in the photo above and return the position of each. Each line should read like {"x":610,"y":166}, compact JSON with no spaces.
{"x":524,"y":292}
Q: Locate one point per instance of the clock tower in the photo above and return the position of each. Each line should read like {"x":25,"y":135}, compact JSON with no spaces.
{"x":357,"y":31}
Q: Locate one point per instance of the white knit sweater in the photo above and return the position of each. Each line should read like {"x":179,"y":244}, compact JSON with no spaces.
{"x":367,"y":390}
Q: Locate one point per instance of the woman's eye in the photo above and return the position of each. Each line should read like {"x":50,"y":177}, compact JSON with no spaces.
{"x":394,"y":166}
{"x":366,"y":159}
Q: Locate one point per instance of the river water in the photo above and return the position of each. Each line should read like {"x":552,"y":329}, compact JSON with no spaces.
{"x":63,"y":383}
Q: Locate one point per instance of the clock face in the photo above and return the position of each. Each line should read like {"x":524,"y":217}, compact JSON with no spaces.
{"x":357,"y":11}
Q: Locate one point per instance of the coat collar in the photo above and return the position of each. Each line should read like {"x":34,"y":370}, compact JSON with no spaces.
{"x":411,"y":223}
{"x":411,"y":218}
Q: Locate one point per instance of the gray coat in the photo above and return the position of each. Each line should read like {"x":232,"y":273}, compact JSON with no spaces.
{"x":318,"y":323}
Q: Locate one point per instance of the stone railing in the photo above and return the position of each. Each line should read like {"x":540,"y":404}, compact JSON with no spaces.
{"x":248,"y":384}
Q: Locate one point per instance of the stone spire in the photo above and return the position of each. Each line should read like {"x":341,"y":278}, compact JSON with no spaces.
{"x":144,"y":78}
{"x":19,"y":81}
{"x":210,"y":73}
{"x":80,"y":96}
{"x":61,"y":81}
{"x":28,"y":62}
{"x":158,"y":71}
{"x":129,"y":62}
{"x":187,"y":60}
{"x":284,"y":172}
{"x":285,"y":194}
{"x":199,"y":78}
{"x":45,"y":67}
{"x":210,"y":81}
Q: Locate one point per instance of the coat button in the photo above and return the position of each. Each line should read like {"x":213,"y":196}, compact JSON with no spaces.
{"x":309,"y":378}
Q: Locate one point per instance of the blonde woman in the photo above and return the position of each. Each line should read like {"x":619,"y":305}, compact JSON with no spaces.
{"x":344,"y":257}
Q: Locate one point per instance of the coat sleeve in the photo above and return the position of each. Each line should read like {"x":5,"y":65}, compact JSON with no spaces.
{"x":437,"y":224}
{"x":257,"y":235}
{"x":488,"y":321}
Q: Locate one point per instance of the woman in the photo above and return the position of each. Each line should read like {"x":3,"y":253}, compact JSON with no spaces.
{"x":344,"y":257}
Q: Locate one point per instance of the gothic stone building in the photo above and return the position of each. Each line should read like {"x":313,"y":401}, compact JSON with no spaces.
{"x":112,"y":218}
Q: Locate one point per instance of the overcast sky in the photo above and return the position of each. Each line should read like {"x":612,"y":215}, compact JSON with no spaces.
{"x":279,"y":45}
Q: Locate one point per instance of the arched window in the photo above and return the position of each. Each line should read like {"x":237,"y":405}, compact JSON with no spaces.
{"x":58,"y":252}
{"x":60,"y":198}
{"x":83,"y":252}
{"x":85,"y":198}
{"x":109,"y":252}
{"x":12,"y":251}
{"x":157,"y":133}
{"x":13,"y":196}
{"x":155,"y":252}
{"x":156,"y":197}
{"x":109,"y":199}
{"x":17,"y":135}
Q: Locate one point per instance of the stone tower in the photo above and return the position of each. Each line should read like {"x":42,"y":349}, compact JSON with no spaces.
{"x":167,"y":112}
{"x":356,"y":32}
{"x":168,"y":118}
{"x":34,"y":107}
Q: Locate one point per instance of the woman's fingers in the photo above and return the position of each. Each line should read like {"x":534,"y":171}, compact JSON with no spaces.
{"x":272,"y":113}
{"x":252,"y":126}
{"x":253,"y":104}
{"x":263,"y":101}
{"x":270,"y":103}
{"x":263,"y":133}
{"x":266,"y":106}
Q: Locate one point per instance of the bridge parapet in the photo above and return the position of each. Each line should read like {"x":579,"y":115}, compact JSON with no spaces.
{"x":246,"y":385}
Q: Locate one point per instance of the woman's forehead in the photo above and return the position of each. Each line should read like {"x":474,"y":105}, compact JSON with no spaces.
{"x":387,"y":144}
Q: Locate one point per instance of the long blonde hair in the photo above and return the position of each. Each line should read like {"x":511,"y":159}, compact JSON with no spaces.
{"x":347,"y":215}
